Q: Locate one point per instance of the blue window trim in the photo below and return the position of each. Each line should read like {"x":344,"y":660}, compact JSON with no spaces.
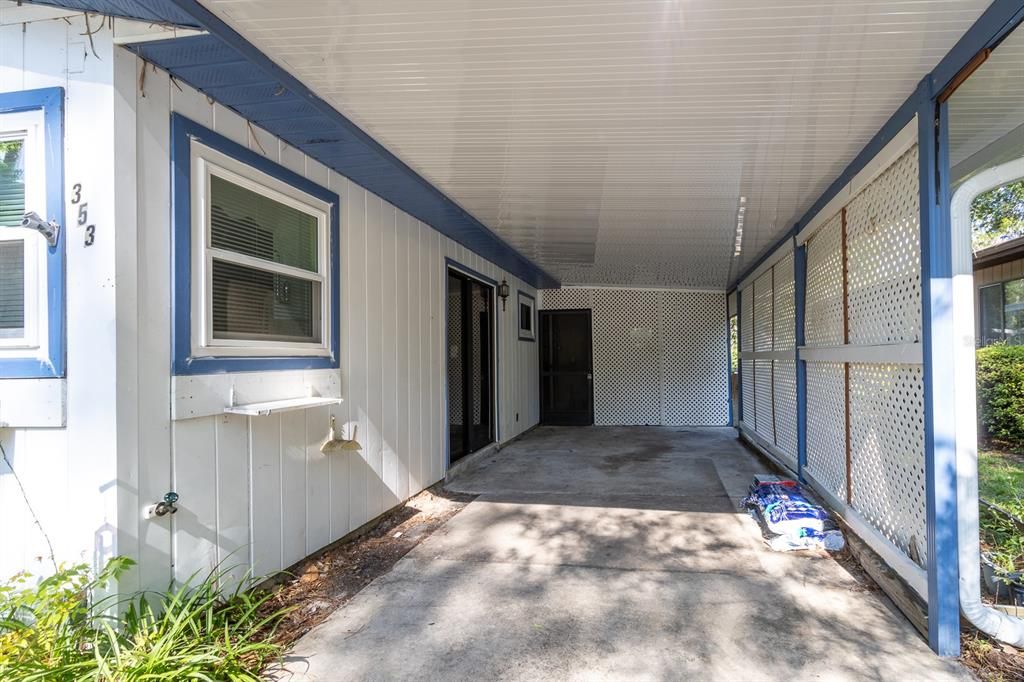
{"x":51,"y":101}
{"x":183,"y":132}
{"x":519,"y":329}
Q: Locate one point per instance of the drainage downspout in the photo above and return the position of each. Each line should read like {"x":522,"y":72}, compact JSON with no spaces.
{"x":1001,"y":626}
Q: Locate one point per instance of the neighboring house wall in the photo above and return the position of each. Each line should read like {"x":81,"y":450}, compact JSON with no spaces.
{"x":254,"y":490}
{"x":990,"y":276}
{"x":660,"y":356}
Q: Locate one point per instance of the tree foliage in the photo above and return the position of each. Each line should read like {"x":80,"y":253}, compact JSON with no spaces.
{"x":998,"y":215}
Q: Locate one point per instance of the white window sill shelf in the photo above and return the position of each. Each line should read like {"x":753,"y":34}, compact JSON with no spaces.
{"x":274,"y":406}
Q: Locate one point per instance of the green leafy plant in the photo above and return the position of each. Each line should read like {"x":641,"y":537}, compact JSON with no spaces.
{"x":1001,"y":393}
{"x":55,"y":630}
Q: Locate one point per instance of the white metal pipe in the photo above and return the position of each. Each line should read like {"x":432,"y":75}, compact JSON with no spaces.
{"x":995,"y":623}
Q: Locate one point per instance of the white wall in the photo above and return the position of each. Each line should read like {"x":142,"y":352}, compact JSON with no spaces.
{"x":69,"y":473}
{"x":258,"y":488}
{"x":252,"y":489}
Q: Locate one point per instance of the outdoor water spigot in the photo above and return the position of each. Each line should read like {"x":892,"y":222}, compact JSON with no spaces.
{"x":163,"y":507}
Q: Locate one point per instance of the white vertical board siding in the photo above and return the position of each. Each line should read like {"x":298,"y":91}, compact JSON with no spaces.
{"x":71,"y":475}
{"x":256,"y":491}
{"x":660,"y":355}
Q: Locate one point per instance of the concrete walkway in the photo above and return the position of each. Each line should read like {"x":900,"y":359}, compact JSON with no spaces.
{"x":613,"y":553}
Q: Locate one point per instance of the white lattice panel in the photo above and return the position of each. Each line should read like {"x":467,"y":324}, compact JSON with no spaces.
{"x":826,"y":425}
{"x":694,"y":356}
{"x":626,"y":357}
{"x":785,"y":408}
{"x":887,"y":452}
{"x":763,"y":312}
{"x":747,"y":319}
{"x":764,"y":422}
{"x":884,"y":255}
{"x":747,"y":382}
{"x":824,"y":304}
{"x":564,"y":299}
{"x":784,"y":304}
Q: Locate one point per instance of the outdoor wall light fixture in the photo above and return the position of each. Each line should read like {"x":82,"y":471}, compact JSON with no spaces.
{"x":503,"y":291}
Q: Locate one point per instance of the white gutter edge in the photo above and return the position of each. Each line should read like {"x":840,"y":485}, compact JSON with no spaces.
{"x":1001,"y":626}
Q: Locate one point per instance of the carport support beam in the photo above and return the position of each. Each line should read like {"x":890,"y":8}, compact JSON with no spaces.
{"x":800,"y":291}
{"x":939,"y":378}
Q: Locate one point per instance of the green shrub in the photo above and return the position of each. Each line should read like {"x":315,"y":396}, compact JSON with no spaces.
{"x":51,"y":630}
{"x":1001,"y":393}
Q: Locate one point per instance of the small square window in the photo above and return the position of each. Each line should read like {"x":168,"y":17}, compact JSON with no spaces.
{"x":527,"y":315}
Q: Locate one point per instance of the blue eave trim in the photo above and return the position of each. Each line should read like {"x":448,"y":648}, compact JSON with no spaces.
{"x":183,"y":132}
{"x":51,"y":101}
{"x":232,"y":71}
{"x":992,"y":26}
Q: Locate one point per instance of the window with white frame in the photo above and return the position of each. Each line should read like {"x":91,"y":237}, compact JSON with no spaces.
{"x":23,"y":314}
{"x":527,"y":317}
{"x":261,"y":274}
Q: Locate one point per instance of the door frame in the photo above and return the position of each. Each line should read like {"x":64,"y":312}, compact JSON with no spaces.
{"x":453,"y":266}
{"x":541,"y":329}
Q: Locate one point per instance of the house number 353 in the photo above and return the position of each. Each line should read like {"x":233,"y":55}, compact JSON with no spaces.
{"x":83,"y":214}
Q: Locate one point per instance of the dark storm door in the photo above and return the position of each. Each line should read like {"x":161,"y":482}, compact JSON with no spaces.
{"x":470,"y":365}
{"x":566,"y":368}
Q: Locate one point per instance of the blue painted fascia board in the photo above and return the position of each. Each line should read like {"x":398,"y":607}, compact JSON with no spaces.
{"x":51,"y":101}
{"x":1001,"y":17}
{"x":183,"y":132}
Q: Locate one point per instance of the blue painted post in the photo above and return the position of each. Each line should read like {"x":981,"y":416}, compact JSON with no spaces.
{"x":800,"y":288}
{"x":939,"y":384}
{"x":739,"y":351}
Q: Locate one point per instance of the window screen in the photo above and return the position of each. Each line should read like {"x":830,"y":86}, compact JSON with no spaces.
{"x":1013,"y":311}
{"x":251,"y":300}
{"x":525,"y":317}
{"x":12,"y":289}
{"x":12,"y":181}
{"x":991,"y":314}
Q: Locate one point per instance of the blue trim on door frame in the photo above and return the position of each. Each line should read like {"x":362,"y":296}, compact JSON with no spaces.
{"x":938,"y":343}
{"x":183,"y":132}
{"x":51,"y":101}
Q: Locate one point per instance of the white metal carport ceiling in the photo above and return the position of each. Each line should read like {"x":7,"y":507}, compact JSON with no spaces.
{"x":611,"y":141}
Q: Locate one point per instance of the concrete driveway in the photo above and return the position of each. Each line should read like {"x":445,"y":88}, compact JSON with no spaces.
{"x":613,"y":553}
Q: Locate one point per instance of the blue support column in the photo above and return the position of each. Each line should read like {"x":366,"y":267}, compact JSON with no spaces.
{"x":728,"y":351}
{"x":939,"y":384}
{"x":800,"y":288}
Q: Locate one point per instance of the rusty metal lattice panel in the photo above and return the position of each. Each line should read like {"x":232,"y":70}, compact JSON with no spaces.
{"x":887,"y":452}
{"x":884,"y":257}
{"x":785,"y":409}
{"x":763,"y":312}
{"x":694,"y":358}
{"x":784,"y":304}
{"x":826,"y":425}
{"x":824,"y":304}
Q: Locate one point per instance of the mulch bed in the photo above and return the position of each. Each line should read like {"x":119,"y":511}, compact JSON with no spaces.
{"x":315,"y":587}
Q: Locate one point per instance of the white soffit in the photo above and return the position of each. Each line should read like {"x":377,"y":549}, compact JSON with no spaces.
{"x":611,"y":140}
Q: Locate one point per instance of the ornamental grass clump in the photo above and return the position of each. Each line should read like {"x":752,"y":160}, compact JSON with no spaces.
{"x":60,"y":628}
